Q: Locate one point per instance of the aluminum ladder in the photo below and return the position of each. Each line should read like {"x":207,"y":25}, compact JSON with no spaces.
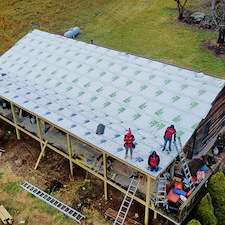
{"x":161,"y":192}
{"x":184,"y":165}
{"x":128,"y":198}
{"x":67,"y":210}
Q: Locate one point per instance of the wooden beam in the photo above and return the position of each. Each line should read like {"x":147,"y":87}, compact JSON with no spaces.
{"x":105,"y":175}
{"x":69,"y":146}
{"x":147,"y":199}
{"x":15,"y":121}
{"x":41,"y":154}
{"x":40,"y":133}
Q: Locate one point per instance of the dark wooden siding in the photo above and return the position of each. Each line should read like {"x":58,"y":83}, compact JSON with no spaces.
{"x":208,"y":127}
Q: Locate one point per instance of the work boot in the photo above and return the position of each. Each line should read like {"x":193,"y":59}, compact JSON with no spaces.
{"x":131,"y":157}
{"x":163,"y":149}
{"x":125,"y":156}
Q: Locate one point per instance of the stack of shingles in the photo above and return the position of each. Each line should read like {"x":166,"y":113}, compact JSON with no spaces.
{"x":1,"y":152}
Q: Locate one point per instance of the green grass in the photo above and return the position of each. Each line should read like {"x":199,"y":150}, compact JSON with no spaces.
{"x":11,"y":188}
{"x":1,"y":174}
{"x":147,"y":28}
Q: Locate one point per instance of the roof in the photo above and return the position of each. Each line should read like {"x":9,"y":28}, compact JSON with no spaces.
{"x":77,"y":86}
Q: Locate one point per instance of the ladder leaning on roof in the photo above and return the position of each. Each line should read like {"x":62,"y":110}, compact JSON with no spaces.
{"x":161,"y":192}
{"x":125,"y":206}
{"x":184,"y":164}
{"x":67,"y":210}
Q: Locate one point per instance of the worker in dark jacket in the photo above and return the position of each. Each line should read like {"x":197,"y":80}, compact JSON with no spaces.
{"x":128,"y":139}
{"x":153,"y":161}
{"x":169,"y":133}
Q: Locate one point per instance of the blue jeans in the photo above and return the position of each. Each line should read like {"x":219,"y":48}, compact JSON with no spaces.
{"x":167,"y":139}
{"x":154,"y":168}
{"x":127,"y":148}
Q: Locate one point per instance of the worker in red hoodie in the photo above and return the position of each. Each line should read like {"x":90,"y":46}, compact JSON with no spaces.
{"x":153,"y":161}
{"x":169,"y":133}
{"x":128,"y":139}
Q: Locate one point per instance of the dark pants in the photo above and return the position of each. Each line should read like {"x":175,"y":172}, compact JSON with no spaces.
{"x":154,"y":168}
{"x":167,"y":139}
{"x":127,"y":148}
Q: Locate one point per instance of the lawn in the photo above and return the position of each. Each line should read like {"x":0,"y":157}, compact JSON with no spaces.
{"x":143,"y":27}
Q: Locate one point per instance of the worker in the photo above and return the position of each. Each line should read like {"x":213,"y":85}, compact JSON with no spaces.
{"x":169,"y":133}
{"x":129,"y":145}
{"x":153,"y":161}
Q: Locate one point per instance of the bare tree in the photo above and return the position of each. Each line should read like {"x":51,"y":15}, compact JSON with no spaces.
{"x":218,"y":15}
{"x":180,"y":8}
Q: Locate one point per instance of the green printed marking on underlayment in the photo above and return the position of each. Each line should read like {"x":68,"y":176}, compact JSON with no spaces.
{"x":35,"y":65}
{"x":75,"y":80}
{"x":160,"y":126}
{"x":80,"y":93}
{"x":194,"y":126}
{"x":115,"y":78}
{"x":78,"y":66}
{"x":59,"y":58}
{"x":18,"y":58}
{"x":177,"y":119}
{"x":68,"y":62}
{"x":99,"y":60}
{"x":113,"y":94}
{"x":64,"y":76}
{"x":150,"y":77}
{"x":180,"y":133}
{"x":153,"y":123}
{"x":93,"y":98}
{"x":175,"y":98}
{"x":54,"y":72}
{"x":127,"y":100}
{"x":159,"y":92}
{"x":37,"y":76}
{"x":28,"y":72}
{"x":99,"y":89}
{"x":159,"y":112}
{"x":201,"y":92}
{"x":142,"y":106}
{"x":183,"y":86}
{"x":90,"y":69}
{"x":58,"y":84}
{"x":143,"y":87}
{"x":129,"y":82}
{"x":87,"y":84}
{"x":167,"y":81}
{"x":137,"y":72}
{"x":111,"y":64}
{"x":123,"y":68}
{"x":69,"y":88}
{"x":102,"y":74}
{"x":193,"y":104}
{"x":136,"y":116}
{"x":107,"y":104}
{"x":47,"y":80}
{"x":122,"y":109}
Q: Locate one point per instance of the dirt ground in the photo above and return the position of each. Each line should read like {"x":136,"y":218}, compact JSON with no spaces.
{"x":83,"y":192}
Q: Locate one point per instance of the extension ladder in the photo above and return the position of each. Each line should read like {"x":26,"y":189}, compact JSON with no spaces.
{"x":161,"y":192}
{"x":125,"y":206}
{"x":67,"y":210}
{"x":184,"y":164}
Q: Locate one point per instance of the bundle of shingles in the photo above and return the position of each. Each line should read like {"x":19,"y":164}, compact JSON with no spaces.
{"x":1,"y":152}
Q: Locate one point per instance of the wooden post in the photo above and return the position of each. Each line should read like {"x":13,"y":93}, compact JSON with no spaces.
{"x":41,"y":154}
{"x":40,"y":133}
{"x":70,"y":153}
{"x":15,"y":121}
{"x":105,"y":175}
{"x":148,"y":192}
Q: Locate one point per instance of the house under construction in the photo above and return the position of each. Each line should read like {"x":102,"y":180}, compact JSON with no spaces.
{"x":79,"y":99}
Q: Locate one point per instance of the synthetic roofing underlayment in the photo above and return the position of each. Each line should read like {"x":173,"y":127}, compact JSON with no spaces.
{"x":77,"y":86}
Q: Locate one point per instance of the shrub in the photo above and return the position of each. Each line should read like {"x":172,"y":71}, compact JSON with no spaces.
{"x":194,"y":222}
{"x":205,"y":211}
{"x":216,"y":188}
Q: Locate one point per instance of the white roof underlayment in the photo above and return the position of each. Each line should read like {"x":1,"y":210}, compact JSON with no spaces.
{"x":77,"y":86}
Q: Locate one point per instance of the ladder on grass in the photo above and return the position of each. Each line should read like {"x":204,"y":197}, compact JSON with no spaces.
{"x":125,"y":206}
{"x":184,"y":164}
{"x":67,"y":210}
{"x":161,"y":192}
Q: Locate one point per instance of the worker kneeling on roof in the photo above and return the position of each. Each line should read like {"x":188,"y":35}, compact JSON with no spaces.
{"x":153,"y":161}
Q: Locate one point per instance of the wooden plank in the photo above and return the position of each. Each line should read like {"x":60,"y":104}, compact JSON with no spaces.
{"x":5,"y":216}
{"x":110,"y":213}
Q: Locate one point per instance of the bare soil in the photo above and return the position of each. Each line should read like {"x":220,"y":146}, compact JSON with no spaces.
{"x":83,"y":191}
